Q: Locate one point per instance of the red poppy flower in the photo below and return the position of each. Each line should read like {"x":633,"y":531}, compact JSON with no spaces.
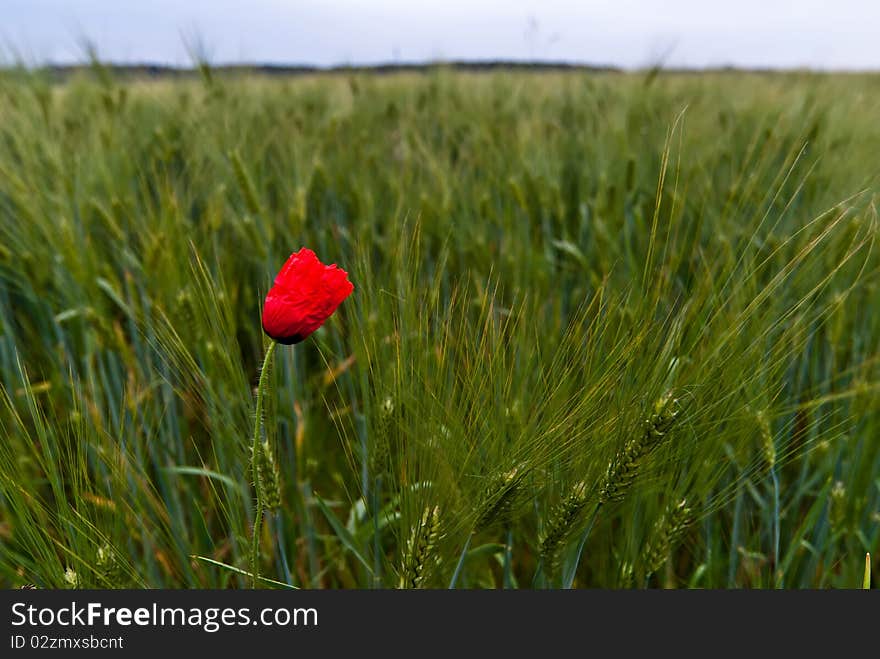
{"x":305,"y":294}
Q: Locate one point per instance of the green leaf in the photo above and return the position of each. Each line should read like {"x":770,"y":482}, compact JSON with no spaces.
{"x":572,"y":250}
{"x":342,"y":533}
{"x":244,"y":573}
{"x":489,"y":549}
{"x":207,"y":473}
{"x":107,"y":287}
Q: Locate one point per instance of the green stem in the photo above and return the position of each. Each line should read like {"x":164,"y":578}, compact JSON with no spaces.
{"x":258,"y":515}
{"x":508,"y":559}
{"x":571,"y":569}
{"x":464,"y":551}
{"x":733,"y":560}
{"x":774,"y":479}
{"x":539,"y":581}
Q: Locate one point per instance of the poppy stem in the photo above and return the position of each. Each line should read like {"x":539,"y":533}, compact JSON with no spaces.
{"x":255,"y":455}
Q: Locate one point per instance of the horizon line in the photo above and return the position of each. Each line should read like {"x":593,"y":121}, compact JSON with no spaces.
{"x":279,"y":67}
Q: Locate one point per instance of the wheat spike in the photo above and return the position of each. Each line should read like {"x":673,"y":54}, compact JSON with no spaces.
{"x":107,"y":567}
{"x":269,"y":476}
{"x":665,"y":534}
{"x":379,"y":453}
{"x":837,"y":513}
{"x":418,"y":549}
{"x":499,"y":499}
{"x":768,"y":448}
{"x":245,"y":183}
{"x":624,"y":468}
{"x":71,"y":578}
{"x":562,"y":522}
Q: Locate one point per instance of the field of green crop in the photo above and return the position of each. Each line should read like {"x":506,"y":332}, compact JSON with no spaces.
{"x":608,"y":330}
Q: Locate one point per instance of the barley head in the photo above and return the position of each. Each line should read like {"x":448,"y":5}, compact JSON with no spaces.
{"x":419,"y":549}
{"x":563,"y":520}
{"x":500,"y":497}
{"x":108,"y":568}
{"x":624,"y":468}
{"x":838,"y":506}
{"x":768,"y":448}
{"x":664,"y":535}
{"x":269,"y":476}
{"x":71,"y":578}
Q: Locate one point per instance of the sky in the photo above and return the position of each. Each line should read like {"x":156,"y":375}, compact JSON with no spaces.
{"x":844,"y":34}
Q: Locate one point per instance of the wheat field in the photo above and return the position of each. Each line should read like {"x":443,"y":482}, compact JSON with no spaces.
{"x":616,"y":330}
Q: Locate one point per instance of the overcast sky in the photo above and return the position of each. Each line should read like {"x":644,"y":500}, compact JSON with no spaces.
{"x":844,"y":34}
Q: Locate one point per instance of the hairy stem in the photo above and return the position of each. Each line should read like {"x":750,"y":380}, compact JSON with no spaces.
{"x":258,"y":514}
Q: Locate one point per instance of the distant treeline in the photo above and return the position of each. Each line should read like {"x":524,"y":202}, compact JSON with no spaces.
{"x":161,"y":70}
{"x":149,"y":70}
